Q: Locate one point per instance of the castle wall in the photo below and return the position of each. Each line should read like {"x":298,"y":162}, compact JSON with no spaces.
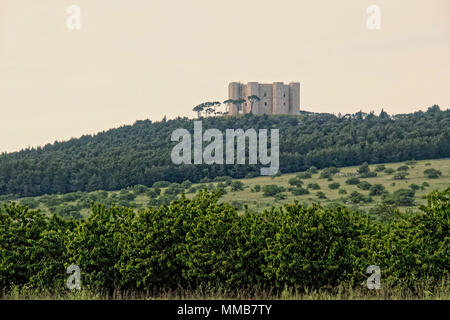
{"x":275,"y":98}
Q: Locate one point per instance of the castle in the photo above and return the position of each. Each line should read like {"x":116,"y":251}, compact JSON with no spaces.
{"x":275,"y":98}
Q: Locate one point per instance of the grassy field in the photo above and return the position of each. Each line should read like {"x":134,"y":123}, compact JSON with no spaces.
{"x":79,"y":202}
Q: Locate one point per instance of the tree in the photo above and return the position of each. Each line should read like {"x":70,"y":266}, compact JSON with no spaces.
{"x":253,"y":99}
{"x":199,"y":108}
{"x":432,"y":173}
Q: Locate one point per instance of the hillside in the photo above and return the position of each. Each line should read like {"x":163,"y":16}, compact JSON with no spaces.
{"x":140,"y":153}
{"x":369,"y":194}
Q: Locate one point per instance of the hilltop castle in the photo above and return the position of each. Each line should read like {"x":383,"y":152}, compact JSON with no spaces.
{"x":275,"y":98}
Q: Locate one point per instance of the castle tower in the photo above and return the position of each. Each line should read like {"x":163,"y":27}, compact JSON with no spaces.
{"x":234,"y":90}
{"x":275,"y":98}
{"x":294,"y":98}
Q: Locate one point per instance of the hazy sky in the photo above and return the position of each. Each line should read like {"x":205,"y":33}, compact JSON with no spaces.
{"x":139,"y":59}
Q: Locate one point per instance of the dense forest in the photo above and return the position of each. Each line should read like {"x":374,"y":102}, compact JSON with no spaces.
{"x":140,"y":153}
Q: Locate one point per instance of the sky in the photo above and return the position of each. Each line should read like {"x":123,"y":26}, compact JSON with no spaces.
{"x":140,"y":59}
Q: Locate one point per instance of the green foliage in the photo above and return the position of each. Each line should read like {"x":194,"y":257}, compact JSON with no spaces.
{"x":299,"y":191}
{"x":271,"y":190}
{"x":334,"y":185}
{"x":352,"y":181}
{"x":432,"y":173}
{"x":380,"y":168}
{"x":140,"y":153}
{"x":328,"y":173}
{"x":237,"y":186}
{"x":364,"y":185}
{"x":401,"y":175}
{"x":313,"y":186}
{"x":356,"y":197}
{"x":321,"y":195}
{"x":295,"y":181}
{"x":342,"y":191}
{"x":403,"y":168}
{"x":304,"y":175}
{"x":193,"y":243}
{"x":389,"y":171}
{"x":376,"y":189}
{"x":400,"y":197}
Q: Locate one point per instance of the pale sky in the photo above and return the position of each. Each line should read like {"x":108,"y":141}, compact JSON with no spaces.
{"x":140,"y":59}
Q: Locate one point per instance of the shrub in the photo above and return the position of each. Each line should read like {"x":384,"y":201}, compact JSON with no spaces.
{"x":403,"y":168}
{"x":257,"y":188}
{"x":328,"y":172}
{"x":380,"y":168}
{"x":313,"y":186}
{"x":299,"y":191}
{"x":270,"y":190}
{"x":401,"y":175}
{"x":237,"y":186}
{"x":364,"y":185}
{"x":389,"y":171}
{"x":342,"y":191}
{"x":321,"y":195}
{"x":356,"y":197}
{"x":334,"y":185}
{"x":414,"y":186}
{"x":295,"y":181}
{"x":432,"y":173}
{"x":312,"y":170}
{"x":401,"y":197}
{"x":304,"y":175}
{"x":352,"y":181}
{"x":364,"y":168}
{"x":376,"y":189}
{"x":161,"y":184}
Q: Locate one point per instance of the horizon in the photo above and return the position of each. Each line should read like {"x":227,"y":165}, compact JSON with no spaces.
{"x":150,"y":60}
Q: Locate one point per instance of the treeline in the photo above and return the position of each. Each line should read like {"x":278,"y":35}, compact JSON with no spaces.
{"x":201,"y":242}
{"x":140,"y":154}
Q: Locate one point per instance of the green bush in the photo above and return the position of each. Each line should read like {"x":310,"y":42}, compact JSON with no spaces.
{"x":364,"y":185}
{"x":271,"y":190}
{"x":295,"y":181}
{"x":352,"y":181}
{"x":313,"y":186}
{"x":334,"y":185}
{"x":432,"y":173}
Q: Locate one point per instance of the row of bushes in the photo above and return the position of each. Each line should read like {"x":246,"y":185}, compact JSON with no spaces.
{"x":199,"y":242}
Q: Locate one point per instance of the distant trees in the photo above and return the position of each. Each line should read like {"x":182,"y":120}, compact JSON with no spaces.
{"x":140,"y":153}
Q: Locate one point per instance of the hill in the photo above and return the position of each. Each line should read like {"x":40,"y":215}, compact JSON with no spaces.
{"x":140,"y":153}
{"x":375,"y":194}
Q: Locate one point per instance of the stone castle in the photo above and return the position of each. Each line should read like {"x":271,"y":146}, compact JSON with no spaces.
{"x":275,"y":98}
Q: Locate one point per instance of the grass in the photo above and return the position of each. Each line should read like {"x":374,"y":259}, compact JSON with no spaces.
{"x":257,"y":201}
{"x":441,"y":292}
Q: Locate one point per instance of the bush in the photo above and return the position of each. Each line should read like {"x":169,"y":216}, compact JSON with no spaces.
{"x":364,"y":168}
{"x":321,"y":195}
{"x":334,"y":185}
{"x":270,"y":190}
{"x":328,"y":172}
{"x":161,"y":184}
{"x":389,"y":171}
{"x":304,"y":175}
{"x":376,"y":189}
{"x":380,"y":168}
{"x":401,"y":175}
{"x":356,"y":197}
{"x":364,"y":185}
{"x":342,"y":191}
{"x":299,"y":191}
{"x":414,"y":186}
{"x":401,"y":197}
{"x":432,"y":173}
{"x":237,"y":186}
{"x":403,"y":168}
{"x":352,"y":181}
{"x":313,"y":186}
{"x":257,"y":188}
{"x":295,"y":182}
{"x":312,"y":170}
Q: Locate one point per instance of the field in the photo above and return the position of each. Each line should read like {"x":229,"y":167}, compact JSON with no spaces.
{"x":78,"y":203}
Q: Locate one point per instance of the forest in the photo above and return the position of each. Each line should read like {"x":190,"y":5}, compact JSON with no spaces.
{"x":140,"y":153}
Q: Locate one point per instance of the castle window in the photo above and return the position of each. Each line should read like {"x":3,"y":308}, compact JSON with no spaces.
{"x":265,"y":103}
{"x":265,"y":94}
{"x":284,"y":95}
